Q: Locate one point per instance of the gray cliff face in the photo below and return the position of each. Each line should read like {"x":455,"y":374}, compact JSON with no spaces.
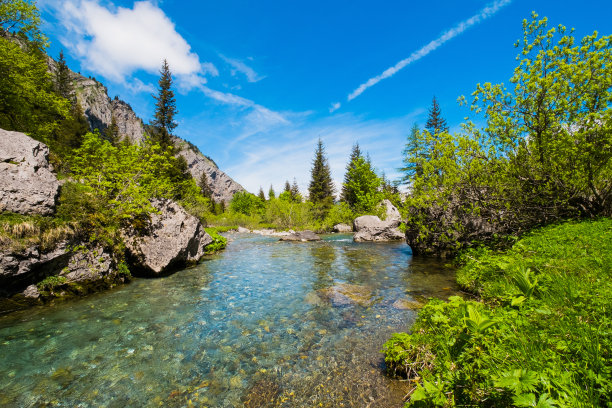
{"x":99,"y":109}
{"x":27,"y":182}
{"x":222,"y":185}
{"x":173,"y":240}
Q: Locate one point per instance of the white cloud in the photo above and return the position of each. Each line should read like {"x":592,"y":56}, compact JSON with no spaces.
{"x":334,"y":107}
{"x":432,"y":46}
{"x":240,"y":67}
{"x":120,"y":41}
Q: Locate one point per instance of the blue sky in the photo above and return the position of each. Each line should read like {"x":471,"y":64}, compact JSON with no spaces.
{"x":258,"y":82}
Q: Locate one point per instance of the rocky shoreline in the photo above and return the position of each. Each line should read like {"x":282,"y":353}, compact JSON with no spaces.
{"x":66,"y":264}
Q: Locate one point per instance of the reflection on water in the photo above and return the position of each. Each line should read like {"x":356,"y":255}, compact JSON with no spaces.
{"x":265,"y":323}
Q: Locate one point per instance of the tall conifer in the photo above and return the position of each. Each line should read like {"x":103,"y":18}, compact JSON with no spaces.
{"x":436,"y":124}
{"x":321,"y":188}
{"x":165,"y":107}
{"x":348,"y":195}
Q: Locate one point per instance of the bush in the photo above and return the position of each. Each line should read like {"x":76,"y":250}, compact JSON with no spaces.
{"x":219,"y":241}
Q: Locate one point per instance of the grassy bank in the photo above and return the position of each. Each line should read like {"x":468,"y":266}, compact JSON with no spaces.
{"x":539,"y":335}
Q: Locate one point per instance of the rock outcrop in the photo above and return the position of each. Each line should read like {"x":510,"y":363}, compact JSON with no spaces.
{"x":27,"y":182}
{"x":223,"y":186}
{"x":173,"y":240}
{"x":301,"y":236}
{"x":73,"y":269}
{"x":343,"y":228}
{"x":372,"y":228}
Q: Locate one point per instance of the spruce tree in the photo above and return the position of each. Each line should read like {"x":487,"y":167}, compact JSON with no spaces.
{"x":321,"y":188}
{"x":436,"y":124}
{"x":287,"y":188}
{"x":271,"y":193}
{"x":413,"y":152}
{"x":348,"y":195}
{"x":295,"y":191}
{"x":112,"y":132}
{"x":205,"y":186}
{"x":62,"y":77}
{"x":261,"y":195}
{"x":165,"y":107}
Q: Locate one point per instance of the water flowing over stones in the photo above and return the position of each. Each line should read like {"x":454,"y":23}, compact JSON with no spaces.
{"x":27,"y":182}
{"x":173,"y":239}
{"x":301,"y":236}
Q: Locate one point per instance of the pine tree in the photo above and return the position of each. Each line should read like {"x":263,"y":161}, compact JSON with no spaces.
{"x":271,"y":193}
{"x":205,"y":186}
{"x":321,"y":188}
{"x":295,"y":191}
{"x":261,"y":195}
{"x":165,"y":107}
{"x":287,"y":188}
{"x":348,"y":195}
{"x":62,"y":77}
{"x":112,"y":132}
{"x":436,"y":124}
{"x":413,"y":152}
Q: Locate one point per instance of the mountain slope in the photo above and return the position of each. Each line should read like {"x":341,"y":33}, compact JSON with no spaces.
{"x":92,"y":96}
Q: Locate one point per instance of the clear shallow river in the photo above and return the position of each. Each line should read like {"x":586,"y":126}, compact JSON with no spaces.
{"x":263,"y":324}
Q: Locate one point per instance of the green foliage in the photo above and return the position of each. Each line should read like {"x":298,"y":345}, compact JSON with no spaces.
{"x":219,"y":242}
{"x":50,"y":283}
{"x":28,"y":102}
{"x":123,"y":270}
{"x":347,"y":195}
{"x":545,"y":154}
{"x":124,"y":178}
{"x":246,"y":203}
{"x":541,"y":336}
{"x":22,"y":18}
{"x":364,"y":186}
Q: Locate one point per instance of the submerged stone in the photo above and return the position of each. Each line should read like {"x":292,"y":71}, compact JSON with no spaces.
{"x":348,"y":294}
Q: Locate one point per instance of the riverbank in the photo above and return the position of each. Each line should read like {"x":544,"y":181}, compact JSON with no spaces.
{"x":540,"y":333}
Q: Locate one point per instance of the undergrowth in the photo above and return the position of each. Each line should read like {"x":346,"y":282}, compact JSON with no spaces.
{"x":219,"y":241}
{"x":540,"y":335}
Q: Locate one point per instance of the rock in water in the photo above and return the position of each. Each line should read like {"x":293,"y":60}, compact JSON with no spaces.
{"x":343,"y":228}
{"x":372,"y":228}
{"x":27,"y":182}
{"x":173,"y":240}
{"x":301,"y":236}
{"x":348,"y":294}
{"x":392,"y":213}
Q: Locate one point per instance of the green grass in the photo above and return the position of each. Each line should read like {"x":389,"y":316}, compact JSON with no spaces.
{"x":18,"y":232}
{"x":539,"y":335}
{"x":219,"y":242}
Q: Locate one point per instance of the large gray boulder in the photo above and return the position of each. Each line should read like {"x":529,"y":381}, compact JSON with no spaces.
{"x":27,"y":182}
{"x":173,"y":240}
{"x":370,"y":228}
{"x":392,"y":213}
{"x":343,"y":228}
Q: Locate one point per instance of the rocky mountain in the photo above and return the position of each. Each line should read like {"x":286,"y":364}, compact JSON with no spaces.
{"x":92,"y":96}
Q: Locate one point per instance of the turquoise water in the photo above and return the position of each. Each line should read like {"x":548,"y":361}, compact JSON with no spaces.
{"x":255,"y":326}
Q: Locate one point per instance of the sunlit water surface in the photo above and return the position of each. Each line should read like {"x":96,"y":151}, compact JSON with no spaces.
{"x":253,"y":326}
